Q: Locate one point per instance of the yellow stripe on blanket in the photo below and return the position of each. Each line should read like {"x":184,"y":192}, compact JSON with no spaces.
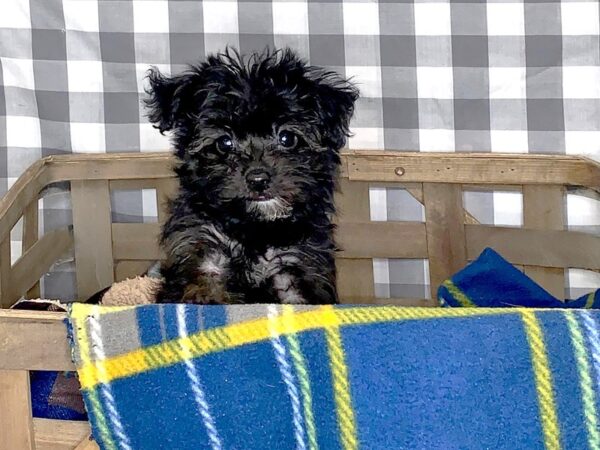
{"x":590,"y":300}
{"x":81,"y":334}
{"x":459,"y":295}
{"x":249,"y":332}
{"x":543,"y":380}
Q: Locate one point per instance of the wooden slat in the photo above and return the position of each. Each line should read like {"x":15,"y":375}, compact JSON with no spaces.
{"x":551,"y":279}
{"x":34,"y":341}
{"x":130,"y":269}
{"x":543,"y":209}
{"x":115,"y":166}
{"x":343,"y":173}
{"x":473,"y":168}
{"x":352,"y":202}
{"x":5,"y":273}
{"x":53,"y":434}
{"x":445,"y":232}
{"x":544,"y":248}
{"x":354,"y":276}
{"x":355,"y":282}
{"x":136,"y":184}
{"x":493,"y":188}
{"x":22,"y":193}
{"x":365,"y":165}
{"x":543,"y":206}
{"x":92,"y":231}
{"x":87,"y":444}
{"x":136,"y":241}
{"x":16,"y":421}
{"x":30,"y":237}
{"x":382,"y":240}
{"x":30,"y":267}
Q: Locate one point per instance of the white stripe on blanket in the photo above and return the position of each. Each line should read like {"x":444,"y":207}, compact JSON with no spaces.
{"x":288,"y":378}
{"x":199,"y":395}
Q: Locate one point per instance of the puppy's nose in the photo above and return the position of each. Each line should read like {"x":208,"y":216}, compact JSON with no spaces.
{"x":258,"y":179}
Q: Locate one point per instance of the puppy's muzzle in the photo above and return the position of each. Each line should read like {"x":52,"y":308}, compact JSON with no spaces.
{"x":258,"y":180}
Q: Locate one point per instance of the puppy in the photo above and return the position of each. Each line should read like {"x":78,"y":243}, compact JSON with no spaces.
{"x":257,"y":142}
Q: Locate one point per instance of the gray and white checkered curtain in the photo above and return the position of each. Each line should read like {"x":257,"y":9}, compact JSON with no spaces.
{"x":491,"y":76}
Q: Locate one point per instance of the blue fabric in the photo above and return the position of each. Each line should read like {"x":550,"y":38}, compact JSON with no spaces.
{"x":490,"y":281}
{"x":409,"y":378}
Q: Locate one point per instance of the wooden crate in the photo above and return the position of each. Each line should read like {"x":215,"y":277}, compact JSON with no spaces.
{"x":107,"y":251}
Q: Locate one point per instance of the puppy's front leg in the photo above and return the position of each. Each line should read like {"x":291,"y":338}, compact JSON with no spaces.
{"x":211,"y":278}
{"x":196,"y":268}
{"x":184,"y":284}
{"x":208,"y":290}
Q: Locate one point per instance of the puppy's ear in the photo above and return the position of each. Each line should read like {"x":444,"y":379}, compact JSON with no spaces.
{"x":336,"y":98}
{"x":167,"y":97}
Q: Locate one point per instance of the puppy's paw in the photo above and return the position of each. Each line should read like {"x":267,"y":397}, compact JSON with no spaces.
{"x":207,"y":291}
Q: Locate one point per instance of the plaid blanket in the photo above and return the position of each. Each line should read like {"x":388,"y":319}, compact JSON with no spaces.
{"x":266,"y":377}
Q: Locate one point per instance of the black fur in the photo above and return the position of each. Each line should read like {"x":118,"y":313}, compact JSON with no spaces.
{"x":225,"y":241}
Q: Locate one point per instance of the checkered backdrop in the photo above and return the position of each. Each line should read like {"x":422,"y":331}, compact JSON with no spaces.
{"x":495,"y":76}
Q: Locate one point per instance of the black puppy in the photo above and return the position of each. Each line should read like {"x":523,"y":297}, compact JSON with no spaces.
{"x":257,"y":141}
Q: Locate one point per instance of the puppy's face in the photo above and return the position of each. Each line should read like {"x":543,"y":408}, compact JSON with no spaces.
{"x":257,"y":138}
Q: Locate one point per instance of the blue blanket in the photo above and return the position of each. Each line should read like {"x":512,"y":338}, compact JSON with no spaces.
{"x":491,"y":281}
{"x":269,"y":377}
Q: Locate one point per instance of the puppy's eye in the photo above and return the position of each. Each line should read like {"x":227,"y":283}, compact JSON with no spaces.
{"x":225,"y":144}
{"x":288,"y":139}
